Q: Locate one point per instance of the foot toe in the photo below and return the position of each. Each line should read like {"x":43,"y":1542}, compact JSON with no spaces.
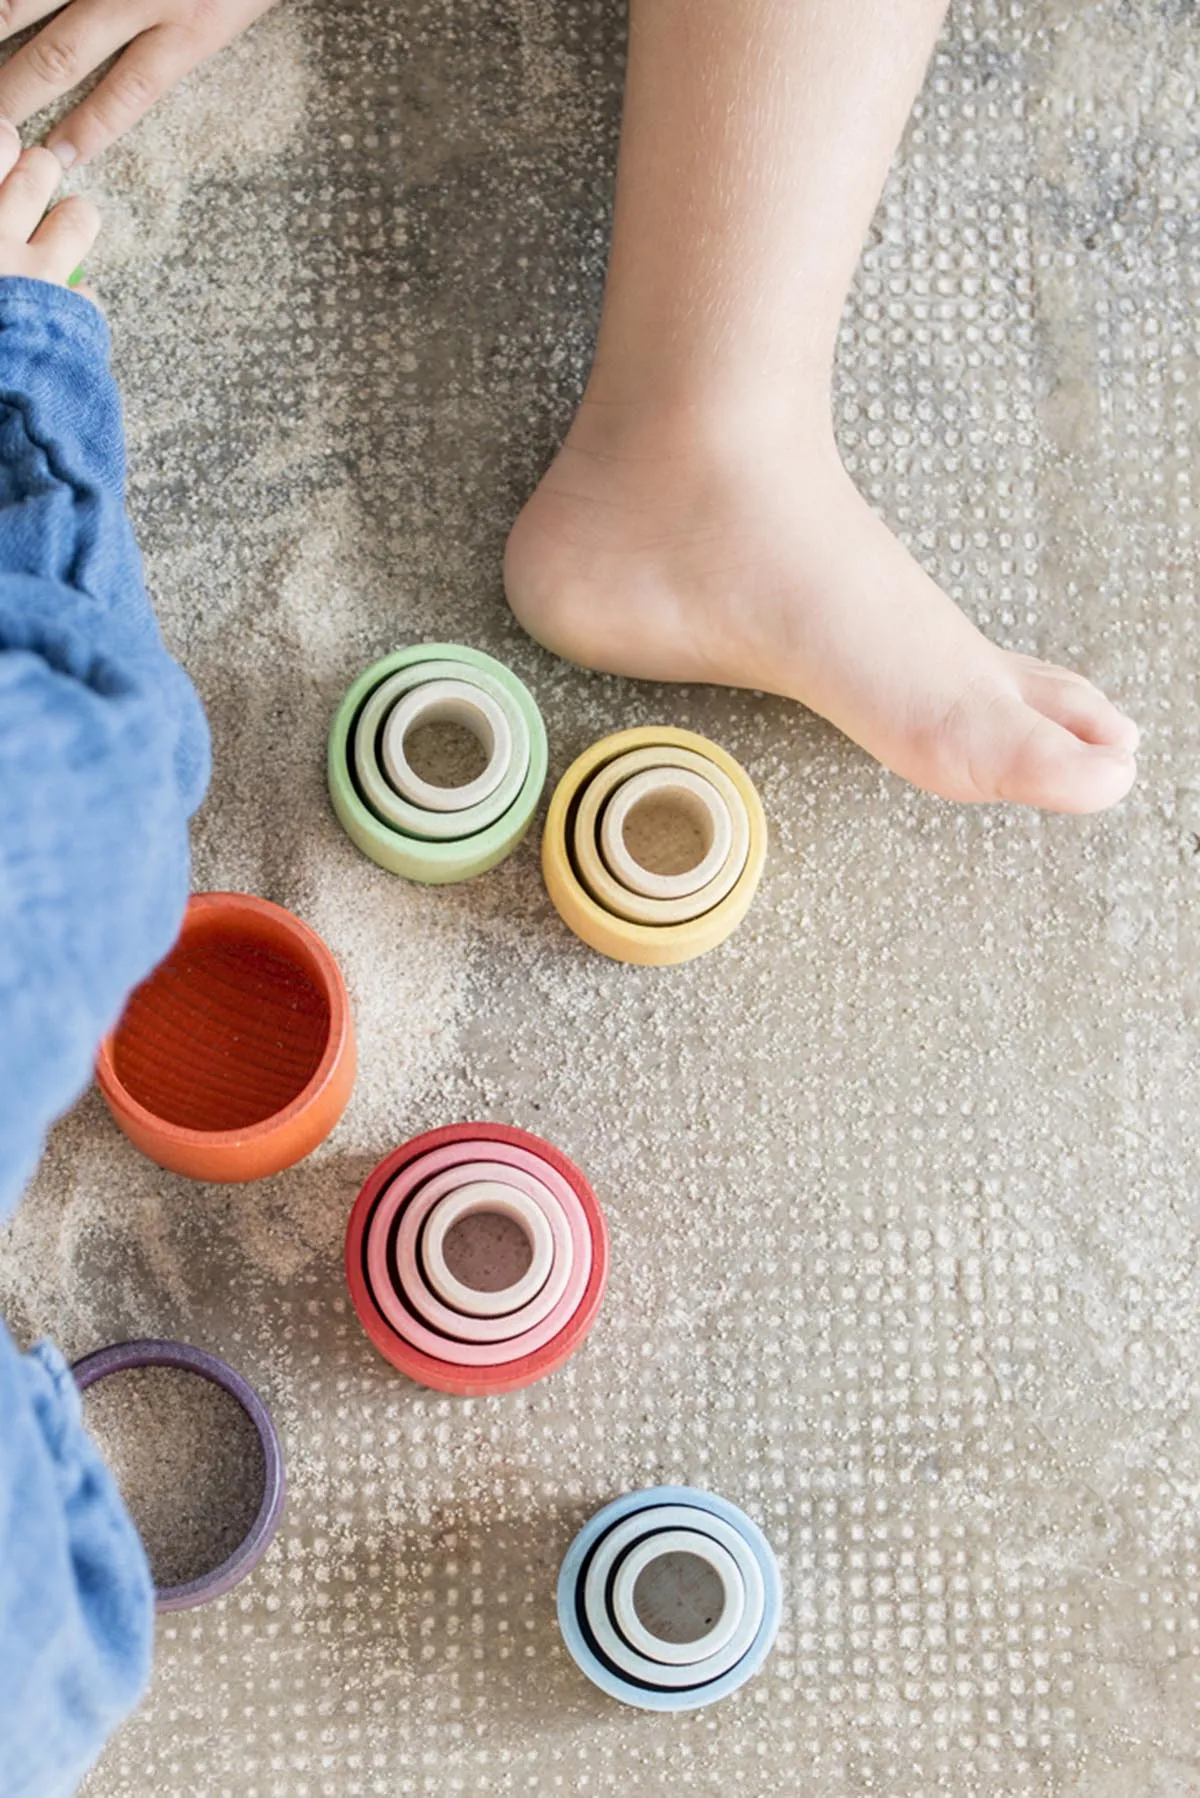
{"x":1077,"y":705}
{"x":1045,"y":763}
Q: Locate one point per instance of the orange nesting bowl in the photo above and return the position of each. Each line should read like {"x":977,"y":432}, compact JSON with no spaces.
{"x":236,"y":1057}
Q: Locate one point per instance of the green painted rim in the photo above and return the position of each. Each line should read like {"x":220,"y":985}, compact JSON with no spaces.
{"x":435,"y":863}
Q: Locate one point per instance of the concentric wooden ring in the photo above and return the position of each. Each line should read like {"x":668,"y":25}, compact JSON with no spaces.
{"x":481,"y":1197}
{"x":500,"y":1143}
{"x":606,"y":785}
{"x":396,"y":1260}
{"x":472,"y":708}
{"x":424,"y":823}
{"x":595,"y":1556}
{"x":421,"y":854}
{"x":692,"y":793}
{"x":607,"y":930}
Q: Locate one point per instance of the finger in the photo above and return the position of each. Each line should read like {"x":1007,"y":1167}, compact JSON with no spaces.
{"x":19,"y":15}
{"x":152,"y":64}
{"x":26,"y":193}
{"x":65,"y":236}
{"x":84,"y":35}
{"x":10,"y":148}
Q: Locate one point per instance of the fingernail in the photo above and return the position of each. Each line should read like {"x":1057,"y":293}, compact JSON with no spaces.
{"x":7,"y":125}
{"x":66,"y":153}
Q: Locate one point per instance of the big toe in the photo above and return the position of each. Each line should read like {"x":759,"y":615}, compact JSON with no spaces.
{"x":1077,"y":705}
{"x":1036,"y":760}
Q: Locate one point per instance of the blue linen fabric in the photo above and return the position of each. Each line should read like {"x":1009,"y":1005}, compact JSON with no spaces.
{"x":103,"y":757}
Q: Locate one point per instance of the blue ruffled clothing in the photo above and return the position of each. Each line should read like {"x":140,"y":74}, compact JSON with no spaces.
{"x":104,"y":755}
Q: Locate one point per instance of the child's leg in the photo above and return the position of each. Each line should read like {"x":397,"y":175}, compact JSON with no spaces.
{"x":698,"y":524}
{"x":103,"y":753}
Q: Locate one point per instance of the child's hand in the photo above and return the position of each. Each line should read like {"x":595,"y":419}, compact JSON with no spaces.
{"x":45,"y":246}
{"x":162,"y":41}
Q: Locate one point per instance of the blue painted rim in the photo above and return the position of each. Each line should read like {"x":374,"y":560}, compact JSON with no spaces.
{"x":570,"y":1602}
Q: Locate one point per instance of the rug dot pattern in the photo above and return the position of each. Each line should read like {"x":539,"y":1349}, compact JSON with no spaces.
{"x":912,"y":1281}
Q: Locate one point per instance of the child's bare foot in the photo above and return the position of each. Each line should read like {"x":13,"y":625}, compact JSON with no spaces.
{"x":698,"y":525}
{"x":692,"y":550}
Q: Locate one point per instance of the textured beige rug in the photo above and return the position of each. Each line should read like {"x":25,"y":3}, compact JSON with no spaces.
{"x":903,"y":1181}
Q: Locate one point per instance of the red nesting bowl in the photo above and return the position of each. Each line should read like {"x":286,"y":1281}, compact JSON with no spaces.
{"x":451,"y":1376}
{"x":236,"y":1057}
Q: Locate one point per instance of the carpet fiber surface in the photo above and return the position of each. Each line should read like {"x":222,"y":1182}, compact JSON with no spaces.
{"x":903,"y":1180}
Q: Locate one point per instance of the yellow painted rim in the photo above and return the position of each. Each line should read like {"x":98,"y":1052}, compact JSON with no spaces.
{"x":598,"y":878}
{"x":646,"y":945}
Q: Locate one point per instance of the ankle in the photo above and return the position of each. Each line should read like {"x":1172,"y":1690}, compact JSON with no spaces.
{"x":700,"y":426}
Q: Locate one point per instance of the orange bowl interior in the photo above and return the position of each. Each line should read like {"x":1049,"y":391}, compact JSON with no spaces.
{"x":231,"y":1028}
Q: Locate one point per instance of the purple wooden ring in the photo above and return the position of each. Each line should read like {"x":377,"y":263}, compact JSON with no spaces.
{"x":122,"y":1357}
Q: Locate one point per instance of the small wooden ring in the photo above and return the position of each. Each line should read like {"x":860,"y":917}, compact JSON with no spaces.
{"x":398,"y":1276}
{"x":616,"y":898}
{"x":667,"y":1675}
{"x":482,"y":1198}
{"x":420,"y":821}
{"x":437,"y":863}
{"x":699,"y":1509}
{"x":694,"y":794}
{"x":448,"y":702}
{"x":643,"y":1554}
{"x":600,"y":925}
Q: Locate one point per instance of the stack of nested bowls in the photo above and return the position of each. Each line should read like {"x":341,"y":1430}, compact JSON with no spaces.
{"x":654,"y":845}
{"x":483,"y":1325}
{"x":405,"y":822}
{"x":669,"y":1599}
